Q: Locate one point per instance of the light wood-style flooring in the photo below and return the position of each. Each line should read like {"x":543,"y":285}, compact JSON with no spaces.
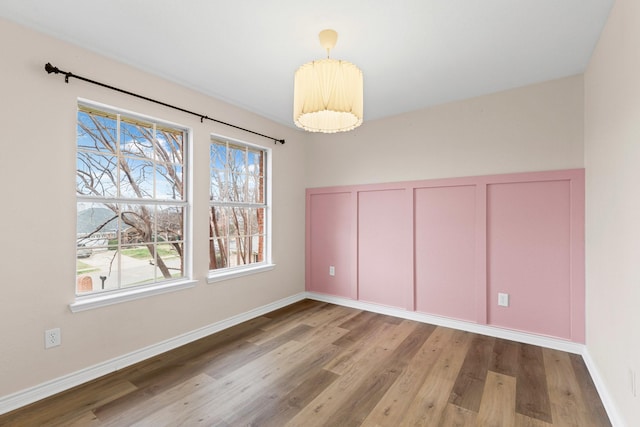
{"x":318,"y":364}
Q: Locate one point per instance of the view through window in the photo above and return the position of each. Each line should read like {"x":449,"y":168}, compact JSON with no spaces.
{"x":131,"y":201}
{"x":238,"y":205}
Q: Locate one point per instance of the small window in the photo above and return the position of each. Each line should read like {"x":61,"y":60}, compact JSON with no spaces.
{"x":239,"y":208}
{"x":132,"y":201}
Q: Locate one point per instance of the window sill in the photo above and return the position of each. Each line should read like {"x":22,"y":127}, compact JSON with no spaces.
{"x":90,"y":302}
{"x":231,"y":274}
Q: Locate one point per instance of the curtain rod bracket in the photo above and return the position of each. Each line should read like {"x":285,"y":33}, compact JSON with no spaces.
{"x":51,"y":69}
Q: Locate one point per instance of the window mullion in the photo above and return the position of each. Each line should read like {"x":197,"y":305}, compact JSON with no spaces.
{"x":118,"y":253}
{"x":118,"y":156}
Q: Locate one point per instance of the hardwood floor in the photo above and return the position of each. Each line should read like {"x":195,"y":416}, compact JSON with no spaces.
{"x":313,"y":364}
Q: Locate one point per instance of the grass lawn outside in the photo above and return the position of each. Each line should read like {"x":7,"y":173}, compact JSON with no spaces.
{"x":143,"y":253}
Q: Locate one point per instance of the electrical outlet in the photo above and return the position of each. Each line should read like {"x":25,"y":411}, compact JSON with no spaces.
{"x":503,"y":300}
{"x":52,"y":338}
{"x":332,"y":270}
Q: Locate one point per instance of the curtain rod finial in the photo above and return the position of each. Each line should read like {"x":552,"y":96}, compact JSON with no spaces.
{"x":50,"y":68}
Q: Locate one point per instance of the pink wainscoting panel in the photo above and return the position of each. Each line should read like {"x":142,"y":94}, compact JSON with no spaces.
{"x":528,"y":234}
{"x":445,"y":251}
{"x":385,"y":253}
{"x":529,"y":254}
{"x":330,"y":226}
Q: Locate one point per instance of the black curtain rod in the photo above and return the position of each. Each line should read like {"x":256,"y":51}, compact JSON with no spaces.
{"x":51,"y":69}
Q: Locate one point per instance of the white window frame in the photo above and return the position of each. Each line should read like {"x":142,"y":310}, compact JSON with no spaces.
{"x":100,"y":299}
{"x":222,"y":274}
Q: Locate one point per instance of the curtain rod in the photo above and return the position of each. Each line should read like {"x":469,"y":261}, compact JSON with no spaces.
{"x":51,"y":69}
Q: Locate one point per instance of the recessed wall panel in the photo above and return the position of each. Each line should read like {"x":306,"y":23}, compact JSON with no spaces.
{"x":445,"y":251}
{"x":528,"y":256}
{"x":330,"y":244}
{"x":384,"y":247}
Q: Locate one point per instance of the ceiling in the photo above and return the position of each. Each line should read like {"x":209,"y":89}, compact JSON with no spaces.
{"x":413,"y":53}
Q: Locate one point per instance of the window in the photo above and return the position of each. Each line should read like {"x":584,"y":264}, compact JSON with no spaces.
{"x":239,"y":208}
{"x":132,"y":201}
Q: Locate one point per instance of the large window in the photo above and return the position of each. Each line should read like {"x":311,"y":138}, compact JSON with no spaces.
{"x":238,"y":215}
{"x":131,"y":201}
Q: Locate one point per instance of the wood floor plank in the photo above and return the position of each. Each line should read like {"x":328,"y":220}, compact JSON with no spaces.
{"x":76,"y":403}
{"x":392,"y":408}
{"x":455,"y":416}
{"x":235,"y":387}
{"x":353,"y":351}
{"x":333,"y":315}
{"x":353,"y":411}
{"x":290,"y":318}
{"x":590,"y":394}
{"x":131,"y":411}
{"x":281,"y":411}
{"x":524,"y":421}
{"x":86,"y":419}
{"x":331,"y":399}
{"x":567,"y":404}
{"x":229,"y":362}
{"x":188,"y":412}
{"x":430,"y":402}
{"x":305,"y":308}
{"x":174,"y":372}
{"x":318,"y":364}
{"x":532,"y":396}
{"x":467,"y":391}
{"x":265,"y":375}
{"x":385,"y":335}
{"x":173,"y":366}
{"x":498,"y":406}
{"x":261,"y":402}
{"x":504,"y":359}
{"x":358,"y":327}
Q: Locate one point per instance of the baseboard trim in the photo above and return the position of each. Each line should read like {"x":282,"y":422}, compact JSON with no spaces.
{"x":523,"y":337}
{"x":607,"y":401}
{"x":49,"y":388}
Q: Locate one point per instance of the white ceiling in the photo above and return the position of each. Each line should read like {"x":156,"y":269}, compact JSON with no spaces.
{"x":413,"y":53}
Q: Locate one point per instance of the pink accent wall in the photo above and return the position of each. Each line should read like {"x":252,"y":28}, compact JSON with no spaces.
{"x":384,"y":247}
{"x":447,"y":247}
{"x":445,"y":251}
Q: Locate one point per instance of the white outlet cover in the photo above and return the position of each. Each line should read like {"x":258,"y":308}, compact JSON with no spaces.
{"x":503,"y":300}
{"x":332,"y":270}
{"x":52,"y":338}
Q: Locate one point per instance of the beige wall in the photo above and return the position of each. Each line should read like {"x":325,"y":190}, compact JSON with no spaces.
{"x":37,"y":224}
{"x":612,"y":157}
{"x":533,"y":128}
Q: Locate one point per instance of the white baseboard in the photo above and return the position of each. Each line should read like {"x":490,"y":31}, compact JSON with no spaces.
{"x":523,"y":337}
{"x":607,"y":401}
{"x":49,"y":388}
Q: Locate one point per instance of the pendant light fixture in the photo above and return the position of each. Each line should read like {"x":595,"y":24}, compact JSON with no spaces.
{"x":328,"y":94}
